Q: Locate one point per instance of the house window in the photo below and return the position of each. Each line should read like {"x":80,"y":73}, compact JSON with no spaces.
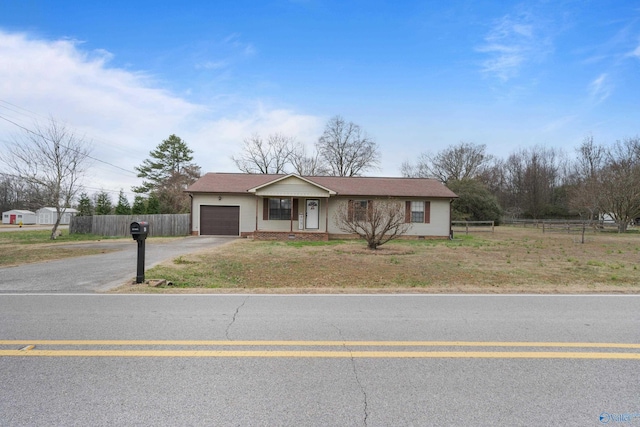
{"x":359,"y":210}
{"x":417,"y":211}
{"x":280,"y":209}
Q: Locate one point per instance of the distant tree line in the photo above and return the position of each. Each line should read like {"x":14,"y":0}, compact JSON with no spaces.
{"x":539,"y":182}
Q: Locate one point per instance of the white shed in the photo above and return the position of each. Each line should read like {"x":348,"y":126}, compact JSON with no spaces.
{"x":48,"y":215}
{"x":16,"y":216}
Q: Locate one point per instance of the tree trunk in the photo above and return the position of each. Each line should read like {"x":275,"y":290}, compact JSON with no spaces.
{"x":54,"y":230}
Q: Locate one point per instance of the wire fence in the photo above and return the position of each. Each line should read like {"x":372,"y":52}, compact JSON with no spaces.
{"x":564,"y":225}
{"x":473,"y":226}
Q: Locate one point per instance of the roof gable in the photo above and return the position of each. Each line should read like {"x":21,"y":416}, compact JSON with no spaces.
{"x":292,"y":185}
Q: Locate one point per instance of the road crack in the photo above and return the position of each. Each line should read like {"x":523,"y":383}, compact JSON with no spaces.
{"x":233,"y":319}
{"x":365,"y":401}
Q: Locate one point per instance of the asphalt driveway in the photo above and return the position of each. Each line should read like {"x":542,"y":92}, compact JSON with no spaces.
{"x":101,"y":272}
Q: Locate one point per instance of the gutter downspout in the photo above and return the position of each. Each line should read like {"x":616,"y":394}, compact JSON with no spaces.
{"x":450,"y":220}
{"x":257,"y":199}
{"x":191,"y":216}
{"x":326,"y":217}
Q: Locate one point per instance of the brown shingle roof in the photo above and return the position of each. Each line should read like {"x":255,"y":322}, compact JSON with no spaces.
{"x":343,"y":186}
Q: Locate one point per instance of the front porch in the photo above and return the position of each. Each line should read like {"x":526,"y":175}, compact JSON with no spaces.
{"x":291,"y":208}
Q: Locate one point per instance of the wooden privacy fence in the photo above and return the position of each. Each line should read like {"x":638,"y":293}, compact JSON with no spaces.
{"x":467,"y":226}
{"x":118,"y":225}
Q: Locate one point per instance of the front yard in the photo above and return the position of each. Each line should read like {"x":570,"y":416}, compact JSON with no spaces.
{"x":29,"y":246}
{"x":508,"y":260}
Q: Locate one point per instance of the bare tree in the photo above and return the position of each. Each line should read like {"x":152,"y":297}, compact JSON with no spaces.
{"x":620,"y":191}
{"x":376,"y":221}
{"x":307,"y":165}
{"x":420,"y":169}
{"x":456,"y":163}
{"x":51,"y":158}
{"x":347,"y":149}
{"x":264,"y":157}
{"x":532,"y":177}
{"x":585,"y":189}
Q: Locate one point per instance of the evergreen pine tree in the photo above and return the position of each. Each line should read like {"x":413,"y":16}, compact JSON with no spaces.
{"x":139,"y":206}
{"x":123,"y":207}
{"x":167,"y":174}
{"x":153,"y":204}
{"x":103,"y":204}
{"x":85,"y":207}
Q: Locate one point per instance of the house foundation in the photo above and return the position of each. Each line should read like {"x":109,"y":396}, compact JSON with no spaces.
{"x":293,"y":235}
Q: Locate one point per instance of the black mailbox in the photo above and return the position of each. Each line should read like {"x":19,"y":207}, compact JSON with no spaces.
{"x":139,"y":230}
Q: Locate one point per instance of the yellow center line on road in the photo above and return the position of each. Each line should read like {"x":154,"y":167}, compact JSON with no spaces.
{"x":323,"y":354}
{"x":227,"y":343}
{"x":31,"y":348}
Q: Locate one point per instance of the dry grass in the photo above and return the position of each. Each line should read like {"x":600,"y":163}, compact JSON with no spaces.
{"x":30,"y":246}
{"x":18,"y":255}
{"x":509,"y":260}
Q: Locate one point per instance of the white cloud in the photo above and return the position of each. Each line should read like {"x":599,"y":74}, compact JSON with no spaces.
{"x":511,"y":43}
{"x":126,"y":114}
{"x":600,"y":89}
{"x":233,"y":41}
{"x":213,"y":65}
{"x":559,"y":123}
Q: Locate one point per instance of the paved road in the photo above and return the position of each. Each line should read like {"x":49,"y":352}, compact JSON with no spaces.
{"x":425,"y":369}
{"x":98,"y":272}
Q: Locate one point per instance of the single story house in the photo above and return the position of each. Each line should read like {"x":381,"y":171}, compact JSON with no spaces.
{"x":17,"y":216}
{"x":282,"y":207}
{"x":48,"y":215}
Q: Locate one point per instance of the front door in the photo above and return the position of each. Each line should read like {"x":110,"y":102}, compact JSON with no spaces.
{"x":313,"y":214}
{"x":12,"y":219}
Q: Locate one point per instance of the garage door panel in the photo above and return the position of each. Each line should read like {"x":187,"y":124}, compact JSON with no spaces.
{"x":220,"y":220}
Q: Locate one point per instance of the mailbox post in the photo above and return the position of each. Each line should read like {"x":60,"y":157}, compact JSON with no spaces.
{"x":139,"y":231}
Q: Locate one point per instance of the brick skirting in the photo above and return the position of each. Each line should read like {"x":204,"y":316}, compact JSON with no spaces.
{"x":295,"y":235}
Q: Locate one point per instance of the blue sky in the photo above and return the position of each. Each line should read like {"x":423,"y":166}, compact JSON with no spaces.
{"x":418,"y":76}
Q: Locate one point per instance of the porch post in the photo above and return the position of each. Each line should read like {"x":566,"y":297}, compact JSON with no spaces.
{"x":257,"y":198}
{"x":326,"y":216}
{"x":291,"y":216}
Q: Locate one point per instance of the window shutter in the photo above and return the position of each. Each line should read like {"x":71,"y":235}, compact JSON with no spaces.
{"x":295,"y":209}
{"x":427,"y":212}
{"x":407,"y":211}
{"x":369,"y":210}
{"x":350,"y":212}
{"x":265,"y":209}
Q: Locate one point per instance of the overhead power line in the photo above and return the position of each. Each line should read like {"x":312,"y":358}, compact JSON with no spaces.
{"x":68,"y":148}
{"x":37,"y":116}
